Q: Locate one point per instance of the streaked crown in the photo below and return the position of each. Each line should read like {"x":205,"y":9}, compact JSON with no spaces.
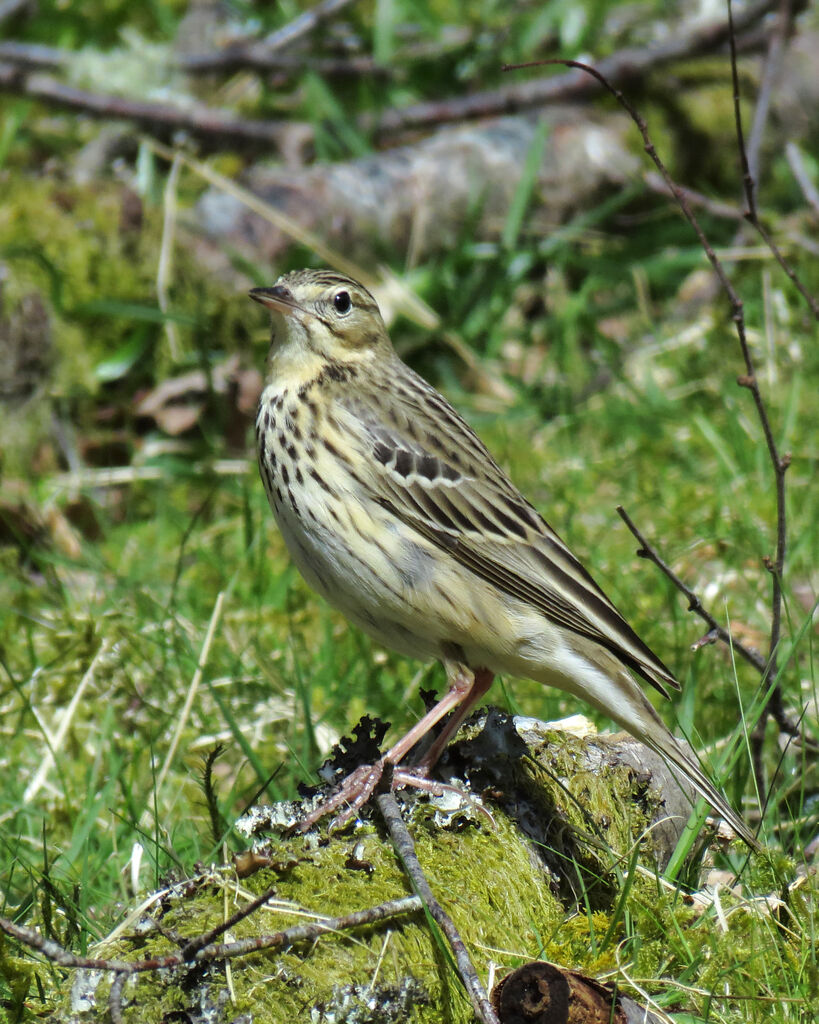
{"x":321,"y":315}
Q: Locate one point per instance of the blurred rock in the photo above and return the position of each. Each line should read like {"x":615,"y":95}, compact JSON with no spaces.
{"x":422,"y":197}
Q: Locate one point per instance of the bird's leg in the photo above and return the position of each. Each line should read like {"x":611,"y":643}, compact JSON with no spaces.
{"x":465,"y":688}
{"x":459,"y":695}
{"x":480,"y":683}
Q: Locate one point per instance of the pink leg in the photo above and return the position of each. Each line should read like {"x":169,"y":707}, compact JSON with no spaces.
{"x":465,"y":688}
{"x":481,"y":681}
{"x":462,"y":684}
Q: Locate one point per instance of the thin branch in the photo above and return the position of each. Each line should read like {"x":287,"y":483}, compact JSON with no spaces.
{"x":304,"y":24}
{"x":219,"y":128}
{"x":771,"y":72}
{"x":775,"y":705}
{"x":10,"y":8}
{"x":33,"y":56}
{"x":714,"y":207}
{"x":405,"y":848}
{"x":115,"y":997}
{"x":194,"y":952}
{"x":265,"y":55}
{"x":625,"y":65}
{"x":748,"y":183}
{"x":747,"y":380}
{"x":193,"y":946}
{"x":216,"y":128}
{"x":646,"y":550}
{"x":256,"y":57}
{"x":54,"y":952}
{"x":796,"y":163}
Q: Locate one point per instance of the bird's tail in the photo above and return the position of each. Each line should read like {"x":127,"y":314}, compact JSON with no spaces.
{"x":615,"y":692}
{"x":648,"y":727}
{"x":670,"y":750}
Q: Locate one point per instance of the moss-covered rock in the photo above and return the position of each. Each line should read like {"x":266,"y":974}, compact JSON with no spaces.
{"x":562,"y":811}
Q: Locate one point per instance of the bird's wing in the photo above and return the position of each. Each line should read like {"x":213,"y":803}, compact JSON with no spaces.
{"x":432,"y":472}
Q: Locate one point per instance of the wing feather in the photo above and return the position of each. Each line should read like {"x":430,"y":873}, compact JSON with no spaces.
{"x":438,"y":478}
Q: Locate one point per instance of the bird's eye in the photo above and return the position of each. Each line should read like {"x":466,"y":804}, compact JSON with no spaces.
{"x":342,"y":302}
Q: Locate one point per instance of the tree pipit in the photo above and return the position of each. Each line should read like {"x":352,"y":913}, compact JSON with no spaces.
{"x":395,"y":512}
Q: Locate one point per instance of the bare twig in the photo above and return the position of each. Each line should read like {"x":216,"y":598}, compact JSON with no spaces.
{"x":257,"y":57}
{"x":748,"y":182}
{"x":303,"y":24}
{"x":54,"y":952}
{"x":770,"y":76}
{"x":254,"y":55}
{"x":215,"y":128}
{"x":797,"y":165}
{"x":266,"y":55}
{"x":33,"y":56}
{"x":194,"y":952}
{"x":8,"y":8}
{"x":115,"y":997}
{"x":747,"y":380}
{"x":625,"y":65}
{"x":646,"y":550}
{"x":405,"y":849}
{"x":726,"y":211}
{"x":775,"y":706}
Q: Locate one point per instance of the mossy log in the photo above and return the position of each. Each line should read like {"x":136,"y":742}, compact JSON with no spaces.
{"x":552,"y":816}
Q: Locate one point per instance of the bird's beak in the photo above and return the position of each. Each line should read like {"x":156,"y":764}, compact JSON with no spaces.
{"x":279,"y":299}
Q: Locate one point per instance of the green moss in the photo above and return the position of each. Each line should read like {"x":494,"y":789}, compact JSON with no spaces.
{"x":90,"y":254}
{"x":497,"y":895}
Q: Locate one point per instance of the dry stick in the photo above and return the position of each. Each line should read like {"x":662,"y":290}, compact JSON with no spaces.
{"x":627,"y":64}
{"x":770,"y":76}
{"x":122,"y":969}
{"x":8,"y":8}
{"x":748,"y":177}
{"x":115,"y":997}
{"x":57,"y":954}
{"x":194,"y":945}
{"x":304,"y":23}
{"x":33,"y":55}
{"x":797,"y":165}
{"x":405,"y":848}
{"x":256,"y":57}
{"x":217,"y":128}
{"x":725,"y":211}
{"x":264,"y":56}
{"x":775,"y":704}
{"x":645,"y":550}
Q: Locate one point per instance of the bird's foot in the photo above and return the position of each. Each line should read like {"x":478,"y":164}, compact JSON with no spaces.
{"x":358,"y":787}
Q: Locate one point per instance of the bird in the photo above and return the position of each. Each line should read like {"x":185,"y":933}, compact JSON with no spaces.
{"x":396,"y":513}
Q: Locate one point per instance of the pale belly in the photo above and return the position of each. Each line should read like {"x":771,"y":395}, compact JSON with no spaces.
{"x":380,"y":594}
{"x":387,"y":579}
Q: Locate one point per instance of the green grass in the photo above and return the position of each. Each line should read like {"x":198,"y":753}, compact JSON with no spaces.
{"x":617,"y":393}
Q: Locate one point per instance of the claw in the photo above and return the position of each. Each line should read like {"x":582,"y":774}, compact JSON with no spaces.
{"x":358,"y":787}
{"x":355,"y":791}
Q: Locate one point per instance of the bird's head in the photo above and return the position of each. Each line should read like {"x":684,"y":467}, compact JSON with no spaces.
{"x":319,"y":316}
